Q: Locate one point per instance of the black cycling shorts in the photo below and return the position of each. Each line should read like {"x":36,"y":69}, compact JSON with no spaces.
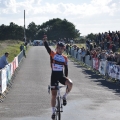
{"x":56,"y":80}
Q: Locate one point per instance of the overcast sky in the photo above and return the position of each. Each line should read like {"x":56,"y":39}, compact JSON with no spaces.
{"x":87,"y":15}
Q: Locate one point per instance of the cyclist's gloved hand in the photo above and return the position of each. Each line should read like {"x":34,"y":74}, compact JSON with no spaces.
{"x":45,"y":38}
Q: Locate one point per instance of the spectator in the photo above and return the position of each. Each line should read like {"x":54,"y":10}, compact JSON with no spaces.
{"x":70,"y":49}
{"x":116,"y":39}
{"x":67,"y":49}
{"x":119,"y":38}
{"x":93,"y":53}
{"x":21,"y":47}
{"x":3,"y":60}
{"x":103,"y":55}
{"x":111,"y":57}
{"x":110,"y":34}
{"x":114,"y":48}
{"x":94,"y":45}
{"x":87,"y":52}
{"x":105,"y":44}
{"x":110,"y":46}
{"x":99,"y":37}
{"x":102,"y":45}
{"x":75,"y":49}
{"x":118,"y":59}
{"x":83,"y":53}
{"x":91,"y":46}
{"x":77,"y":52}
{"x":108,"y":37}
{"x":87,"y":44}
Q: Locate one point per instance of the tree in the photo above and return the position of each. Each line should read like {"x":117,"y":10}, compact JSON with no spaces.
{"x":91,"y":36}
{"x":54,"y":28}
{"x":12,"y":31}
{"x":57,"y":28}
{"x":31,"y":30}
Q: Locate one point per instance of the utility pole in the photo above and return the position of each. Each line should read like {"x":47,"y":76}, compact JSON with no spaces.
{"x":24,"y":28}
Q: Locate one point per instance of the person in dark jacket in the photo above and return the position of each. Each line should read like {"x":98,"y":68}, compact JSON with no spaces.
{"x":21,"y":47}
{"x":67,"y":49}
{"x":3,"y":60}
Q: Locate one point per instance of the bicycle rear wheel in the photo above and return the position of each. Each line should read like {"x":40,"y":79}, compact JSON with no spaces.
{"x":58,"y":113}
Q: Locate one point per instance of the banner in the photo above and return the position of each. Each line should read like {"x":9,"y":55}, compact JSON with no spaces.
{"x":72,"y":52}
{"x":11,"y":68}
{"x":3,"y":80}
{"x":20,"y":56}
{"x":8,"y":72}
{"x":114,"y":71}
{"x":102,"y":67}
{"x":75,"y":53}
{"x":0,"y":81}
{"x":95,"y":63}
{"x":79,"y":57}
{"x":14,"y":64}
{"x":88,"y":60}
{"x":16,"y":61}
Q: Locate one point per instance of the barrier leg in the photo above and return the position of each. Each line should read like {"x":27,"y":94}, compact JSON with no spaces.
{"x":9,"y":86}
{"x":6,"y":92}
{"x":1,"y":100}
{"x":10,"y":83}
{"x":3,"y":95}
{"x":8,"y":89}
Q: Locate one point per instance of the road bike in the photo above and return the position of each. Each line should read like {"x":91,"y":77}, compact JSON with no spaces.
{"x":59,"y":104}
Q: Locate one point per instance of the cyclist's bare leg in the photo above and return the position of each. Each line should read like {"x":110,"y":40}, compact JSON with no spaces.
{"x":68,"y":89}
{"x":69,"y":84}
{"x":53,"y":99}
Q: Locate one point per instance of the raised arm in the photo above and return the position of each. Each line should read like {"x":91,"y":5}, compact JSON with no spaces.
{"x":46,"y":45}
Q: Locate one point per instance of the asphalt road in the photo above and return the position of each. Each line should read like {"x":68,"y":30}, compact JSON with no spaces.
{"x":92,"y":98}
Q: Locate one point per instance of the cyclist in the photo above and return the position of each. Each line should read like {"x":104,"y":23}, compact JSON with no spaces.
{"x":58,"y":61}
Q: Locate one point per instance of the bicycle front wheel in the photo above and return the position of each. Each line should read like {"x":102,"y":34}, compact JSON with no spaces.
{"x":58,"y":113}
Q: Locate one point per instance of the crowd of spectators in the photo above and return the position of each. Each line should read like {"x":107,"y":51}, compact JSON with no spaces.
{"x":103,"y":47}
{"x":108,"y":40}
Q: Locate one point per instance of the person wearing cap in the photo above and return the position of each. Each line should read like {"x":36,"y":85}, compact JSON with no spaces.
{"x":3,"y":60}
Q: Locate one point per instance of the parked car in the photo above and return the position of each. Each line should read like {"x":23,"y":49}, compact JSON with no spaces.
{"x":37,"y":42}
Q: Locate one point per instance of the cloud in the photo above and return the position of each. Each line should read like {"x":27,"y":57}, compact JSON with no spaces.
{"x":101,"y":2}
{"x":89,"y":14}
{"x":35,"y":7}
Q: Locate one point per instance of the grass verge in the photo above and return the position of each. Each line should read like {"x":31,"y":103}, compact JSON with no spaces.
{"x":11,"y":46}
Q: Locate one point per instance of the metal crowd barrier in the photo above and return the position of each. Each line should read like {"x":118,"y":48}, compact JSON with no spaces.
{"x":106,"y":68}
{"x":6,"y":75}
{"x":20,"y":56}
